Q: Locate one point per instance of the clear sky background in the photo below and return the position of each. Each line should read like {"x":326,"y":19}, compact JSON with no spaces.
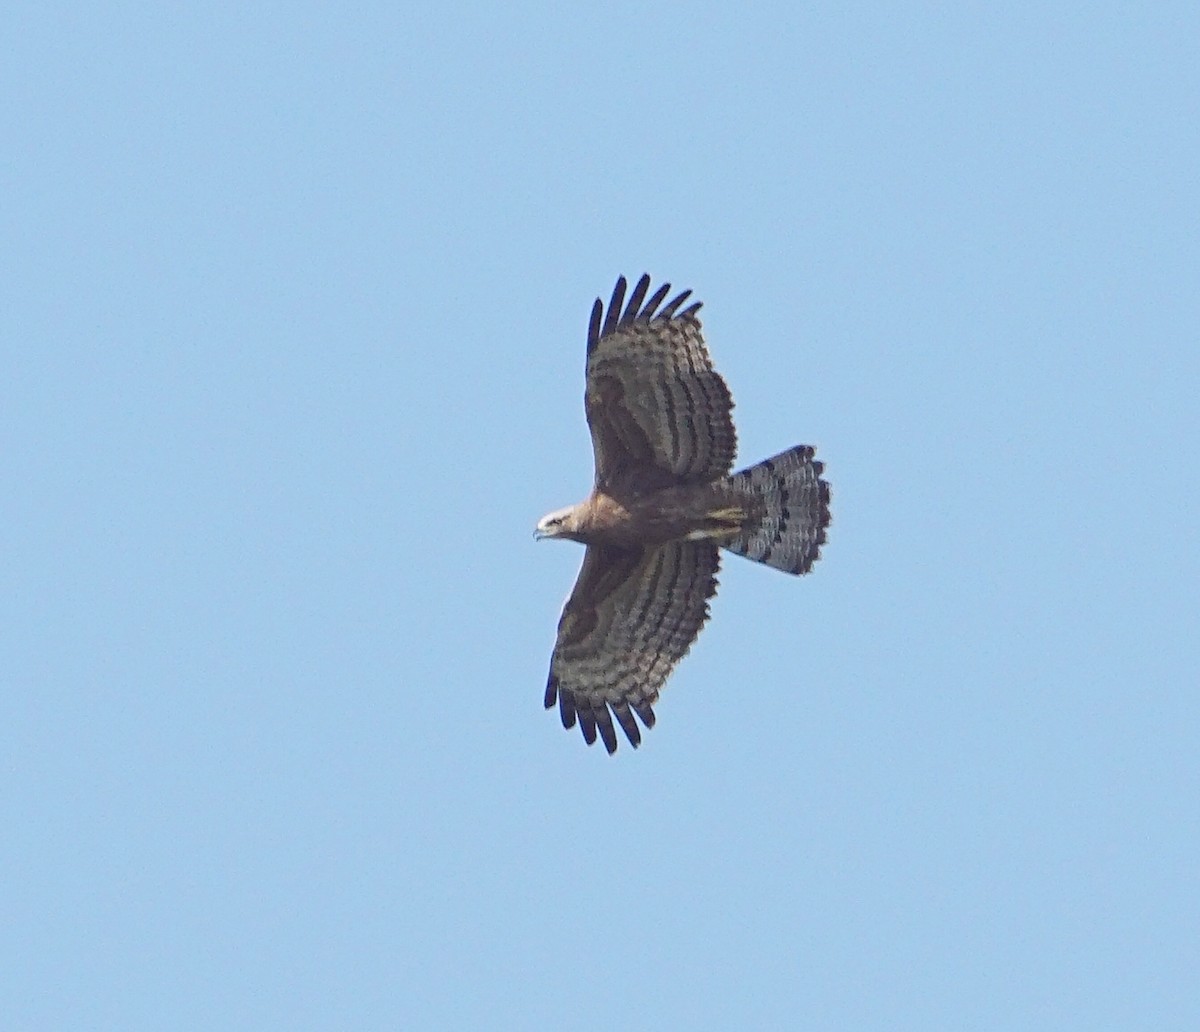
{"x":292,"y":312}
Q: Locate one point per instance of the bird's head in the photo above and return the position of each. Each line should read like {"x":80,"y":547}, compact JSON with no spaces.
{"x":561,"y":523}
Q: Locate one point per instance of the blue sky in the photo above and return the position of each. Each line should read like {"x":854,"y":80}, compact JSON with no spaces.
{"x":294,"y":302}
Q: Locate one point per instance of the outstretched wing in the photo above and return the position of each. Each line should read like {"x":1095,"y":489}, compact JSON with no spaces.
{"x":632,"y":616}
{"x":658,"y":411}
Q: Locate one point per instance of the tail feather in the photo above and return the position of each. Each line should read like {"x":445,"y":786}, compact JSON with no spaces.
{"x":790,"y":510}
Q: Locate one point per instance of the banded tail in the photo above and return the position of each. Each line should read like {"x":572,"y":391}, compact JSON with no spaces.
{"x":790,"y":510}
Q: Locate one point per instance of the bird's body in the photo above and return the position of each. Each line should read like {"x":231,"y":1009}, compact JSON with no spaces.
{"x":689,"y":512}
{"x":662,"y":504}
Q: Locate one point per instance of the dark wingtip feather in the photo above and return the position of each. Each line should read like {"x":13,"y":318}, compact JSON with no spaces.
{"x":639,"y":307}
{"x":614,"y":307}
{"x":651,"y":306}
{"x":628,"y":724}
{"x":594,"y":325}
{"x":604,"y":723}
{"x":645,"y":712}
{"x":673,"y":305}
{"x":566,"y":710}
{"x":635,"y":300}
{"x":587,"y":724}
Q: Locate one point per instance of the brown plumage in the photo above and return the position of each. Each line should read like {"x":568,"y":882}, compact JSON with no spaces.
{"x":662,"y":503}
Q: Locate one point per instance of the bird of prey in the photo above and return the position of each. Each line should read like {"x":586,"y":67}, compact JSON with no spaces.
{"x":663,"y":502}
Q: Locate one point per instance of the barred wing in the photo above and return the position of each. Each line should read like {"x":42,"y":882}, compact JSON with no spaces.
{"x":632,"y":616}
{"x":659,"y":412}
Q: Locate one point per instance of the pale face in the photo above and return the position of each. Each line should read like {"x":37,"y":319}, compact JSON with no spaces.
{"x":555,"y":524}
